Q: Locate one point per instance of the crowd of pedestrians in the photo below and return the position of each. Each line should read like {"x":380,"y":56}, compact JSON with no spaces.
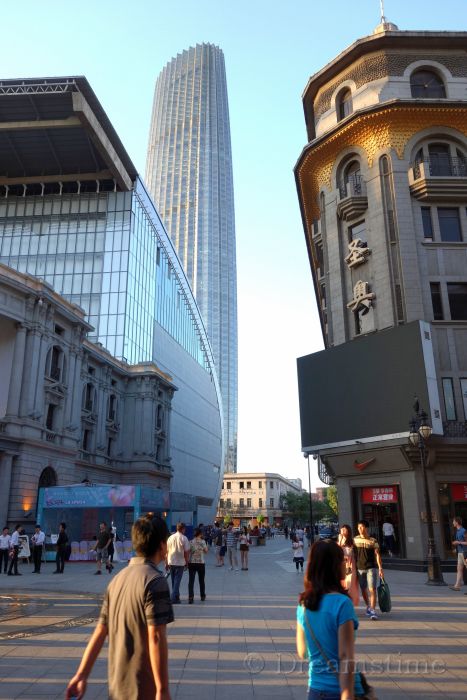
{"x":138,"y":602}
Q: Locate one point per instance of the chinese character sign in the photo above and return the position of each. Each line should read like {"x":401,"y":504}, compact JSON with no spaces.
{"x":358,"y":253}
{"x":362,"y":298}
{"x":381,"y":494}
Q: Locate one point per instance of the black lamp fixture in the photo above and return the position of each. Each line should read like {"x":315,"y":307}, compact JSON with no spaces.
{"x":419,"y":435}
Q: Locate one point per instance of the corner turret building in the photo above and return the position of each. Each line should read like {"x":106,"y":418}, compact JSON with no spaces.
{"x":382,"y":186}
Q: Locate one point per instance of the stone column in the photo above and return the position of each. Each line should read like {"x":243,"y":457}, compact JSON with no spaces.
{"x":70,"y":381}
{"x":17,"y":367}
{"x":6,"y":465}
{"x":30,"y":372}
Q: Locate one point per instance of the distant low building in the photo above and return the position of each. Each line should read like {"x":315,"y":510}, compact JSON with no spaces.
{"x":244,"y":496}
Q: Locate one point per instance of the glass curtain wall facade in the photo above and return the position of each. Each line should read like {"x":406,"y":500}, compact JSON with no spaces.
{"x":108,"y":253}
{"x":189,"y":176}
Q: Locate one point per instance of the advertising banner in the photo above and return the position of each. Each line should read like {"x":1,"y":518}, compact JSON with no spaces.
{"x":379,"y":494}
{"x":107,"y":496}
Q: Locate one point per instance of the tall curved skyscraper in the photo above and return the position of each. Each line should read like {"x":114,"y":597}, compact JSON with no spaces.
{"x":189,"y":175}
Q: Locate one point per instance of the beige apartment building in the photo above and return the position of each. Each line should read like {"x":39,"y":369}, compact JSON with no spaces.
{"x":244,"y":496}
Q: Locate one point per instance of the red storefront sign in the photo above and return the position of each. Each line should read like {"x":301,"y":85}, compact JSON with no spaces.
{"x":379,"y":494}
{"x":459,"y":492}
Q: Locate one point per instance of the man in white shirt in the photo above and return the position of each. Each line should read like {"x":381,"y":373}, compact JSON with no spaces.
{"x":5,"y":539}
{"x":14,"y":545}
{"x":37,"y":540}
{"x":178,"y":554}
{"x":389,"y":537}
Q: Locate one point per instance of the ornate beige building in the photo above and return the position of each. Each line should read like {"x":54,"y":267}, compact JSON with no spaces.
{"x":244,"y":496}
{"x":382,"y":185}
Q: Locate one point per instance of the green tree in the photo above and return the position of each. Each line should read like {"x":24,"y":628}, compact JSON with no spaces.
{"x":260,"y":518}
{"x":297,"y":506}
{"x":227,"y":520}
{"x":332,"y":500}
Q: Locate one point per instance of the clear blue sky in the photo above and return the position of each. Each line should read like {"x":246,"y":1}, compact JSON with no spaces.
{"x":271,"y":48}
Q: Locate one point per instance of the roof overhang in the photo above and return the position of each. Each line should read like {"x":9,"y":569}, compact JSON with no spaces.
{"x":55,"y":130}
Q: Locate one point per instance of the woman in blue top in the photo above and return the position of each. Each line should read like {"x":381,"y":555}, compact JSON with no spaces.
{"x":325,"y":607}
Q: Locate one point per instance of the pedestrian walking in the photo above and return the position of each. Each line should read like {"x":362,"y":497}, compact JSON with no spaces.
{"x":218,"y":539}
{"x":111,"y":551}
{"x":460,"y":543}
{"x":102,"y":549}
{"x":198,"y":548}
{"x":134,"y":615}
{"x":231,"y":543}
{"x":244,"y":541}
{"x":389,"y":537}
{"x":286,"y":532}
{"x":350,"y":583}
{"x":14,"y":551}
{"x":326,"y":624}
{"x":369,"y":566}
{"x":297,"y":549}
{"x":37,"y":540}
{"x":178,"y":554}
{"x":5,"y":539}
{"x":62,"y":546}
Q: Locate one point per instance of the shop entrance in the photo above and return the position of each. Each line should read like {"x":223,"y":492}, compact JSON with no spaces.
{"x":452,"y":502}
{"x":378,"y":505}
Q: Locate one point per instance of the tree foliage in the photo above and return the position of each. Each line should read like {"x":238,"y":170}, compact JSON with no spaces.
{"x":297,"y":508}
{"x":332,"y":501}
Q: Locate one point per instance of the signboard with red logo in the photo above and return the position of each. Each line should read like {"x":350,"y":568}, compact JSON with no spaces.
{"x":379,"y":494}
{"x":459,"y":492}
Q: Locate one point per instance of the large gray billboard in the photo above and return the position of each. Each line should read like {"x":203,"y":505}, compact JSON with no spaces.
{"x":365,"y":388}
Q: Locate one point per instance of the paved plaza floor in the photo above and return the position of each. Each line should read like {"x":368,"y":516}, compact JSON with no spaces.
{"x":239,"y":643}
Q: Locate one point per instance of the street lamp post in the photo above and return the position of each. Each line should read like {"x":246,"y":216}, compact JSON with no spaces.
{"x":312,"y":530}
{"x":420,"y":433}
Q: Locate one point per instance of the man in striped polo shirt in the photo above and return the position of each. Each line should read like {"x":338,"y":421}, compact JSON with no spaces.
{"x":231,"y":542}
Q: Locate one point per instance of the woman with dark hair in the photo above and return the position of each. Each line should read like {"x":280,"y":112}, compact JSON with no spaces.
{"x":350,"y":583}
{"x":326,"y":624}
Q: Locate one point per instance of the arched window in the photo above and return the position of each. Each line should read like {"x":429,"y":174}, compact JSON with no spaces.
{"x":55,"y":364}
{"x":344,"y":104}
{"x":350,"y":180}
{"x":440,"y":159}
{"x":47,"y":478}
{"x":427,"y":83}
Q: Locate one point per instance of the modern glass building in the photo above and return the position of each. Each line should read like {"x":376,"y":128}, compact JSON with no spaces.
{"x":189,"y":175}
{"x":74,"y":213}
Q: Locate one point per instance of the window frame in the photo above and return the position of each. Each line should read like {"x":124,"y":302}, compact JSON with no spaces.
{"x":450,"y":285}
{"x":429,"y":71}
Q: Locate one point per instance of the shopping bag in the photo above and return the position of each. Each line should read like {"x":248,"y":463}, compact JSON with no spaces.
{"x":384,"y":596}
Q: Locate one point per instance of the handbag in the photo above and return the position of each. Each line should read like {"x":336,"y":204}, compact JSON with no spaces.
{"x":384,"y":596}
{"x":369,"y":692}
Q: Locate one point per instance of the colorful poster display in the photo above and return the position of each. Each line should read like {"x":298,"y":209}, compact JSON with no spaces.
{"x":107,"y":496}
{"x":379,"y":494}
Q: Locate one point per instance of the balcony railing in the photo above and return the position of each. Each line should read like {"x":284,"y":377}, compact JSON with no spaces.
{"x":353,"y":200}
{"x":455,"y":429}
{"x":437,"y":179}
{"x":436,"y":166}
{"x":353,"y":187}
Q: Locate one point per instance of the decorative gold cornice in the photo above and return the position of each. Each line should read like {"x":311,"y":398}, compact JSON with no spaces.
{"x":371,"y":132}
